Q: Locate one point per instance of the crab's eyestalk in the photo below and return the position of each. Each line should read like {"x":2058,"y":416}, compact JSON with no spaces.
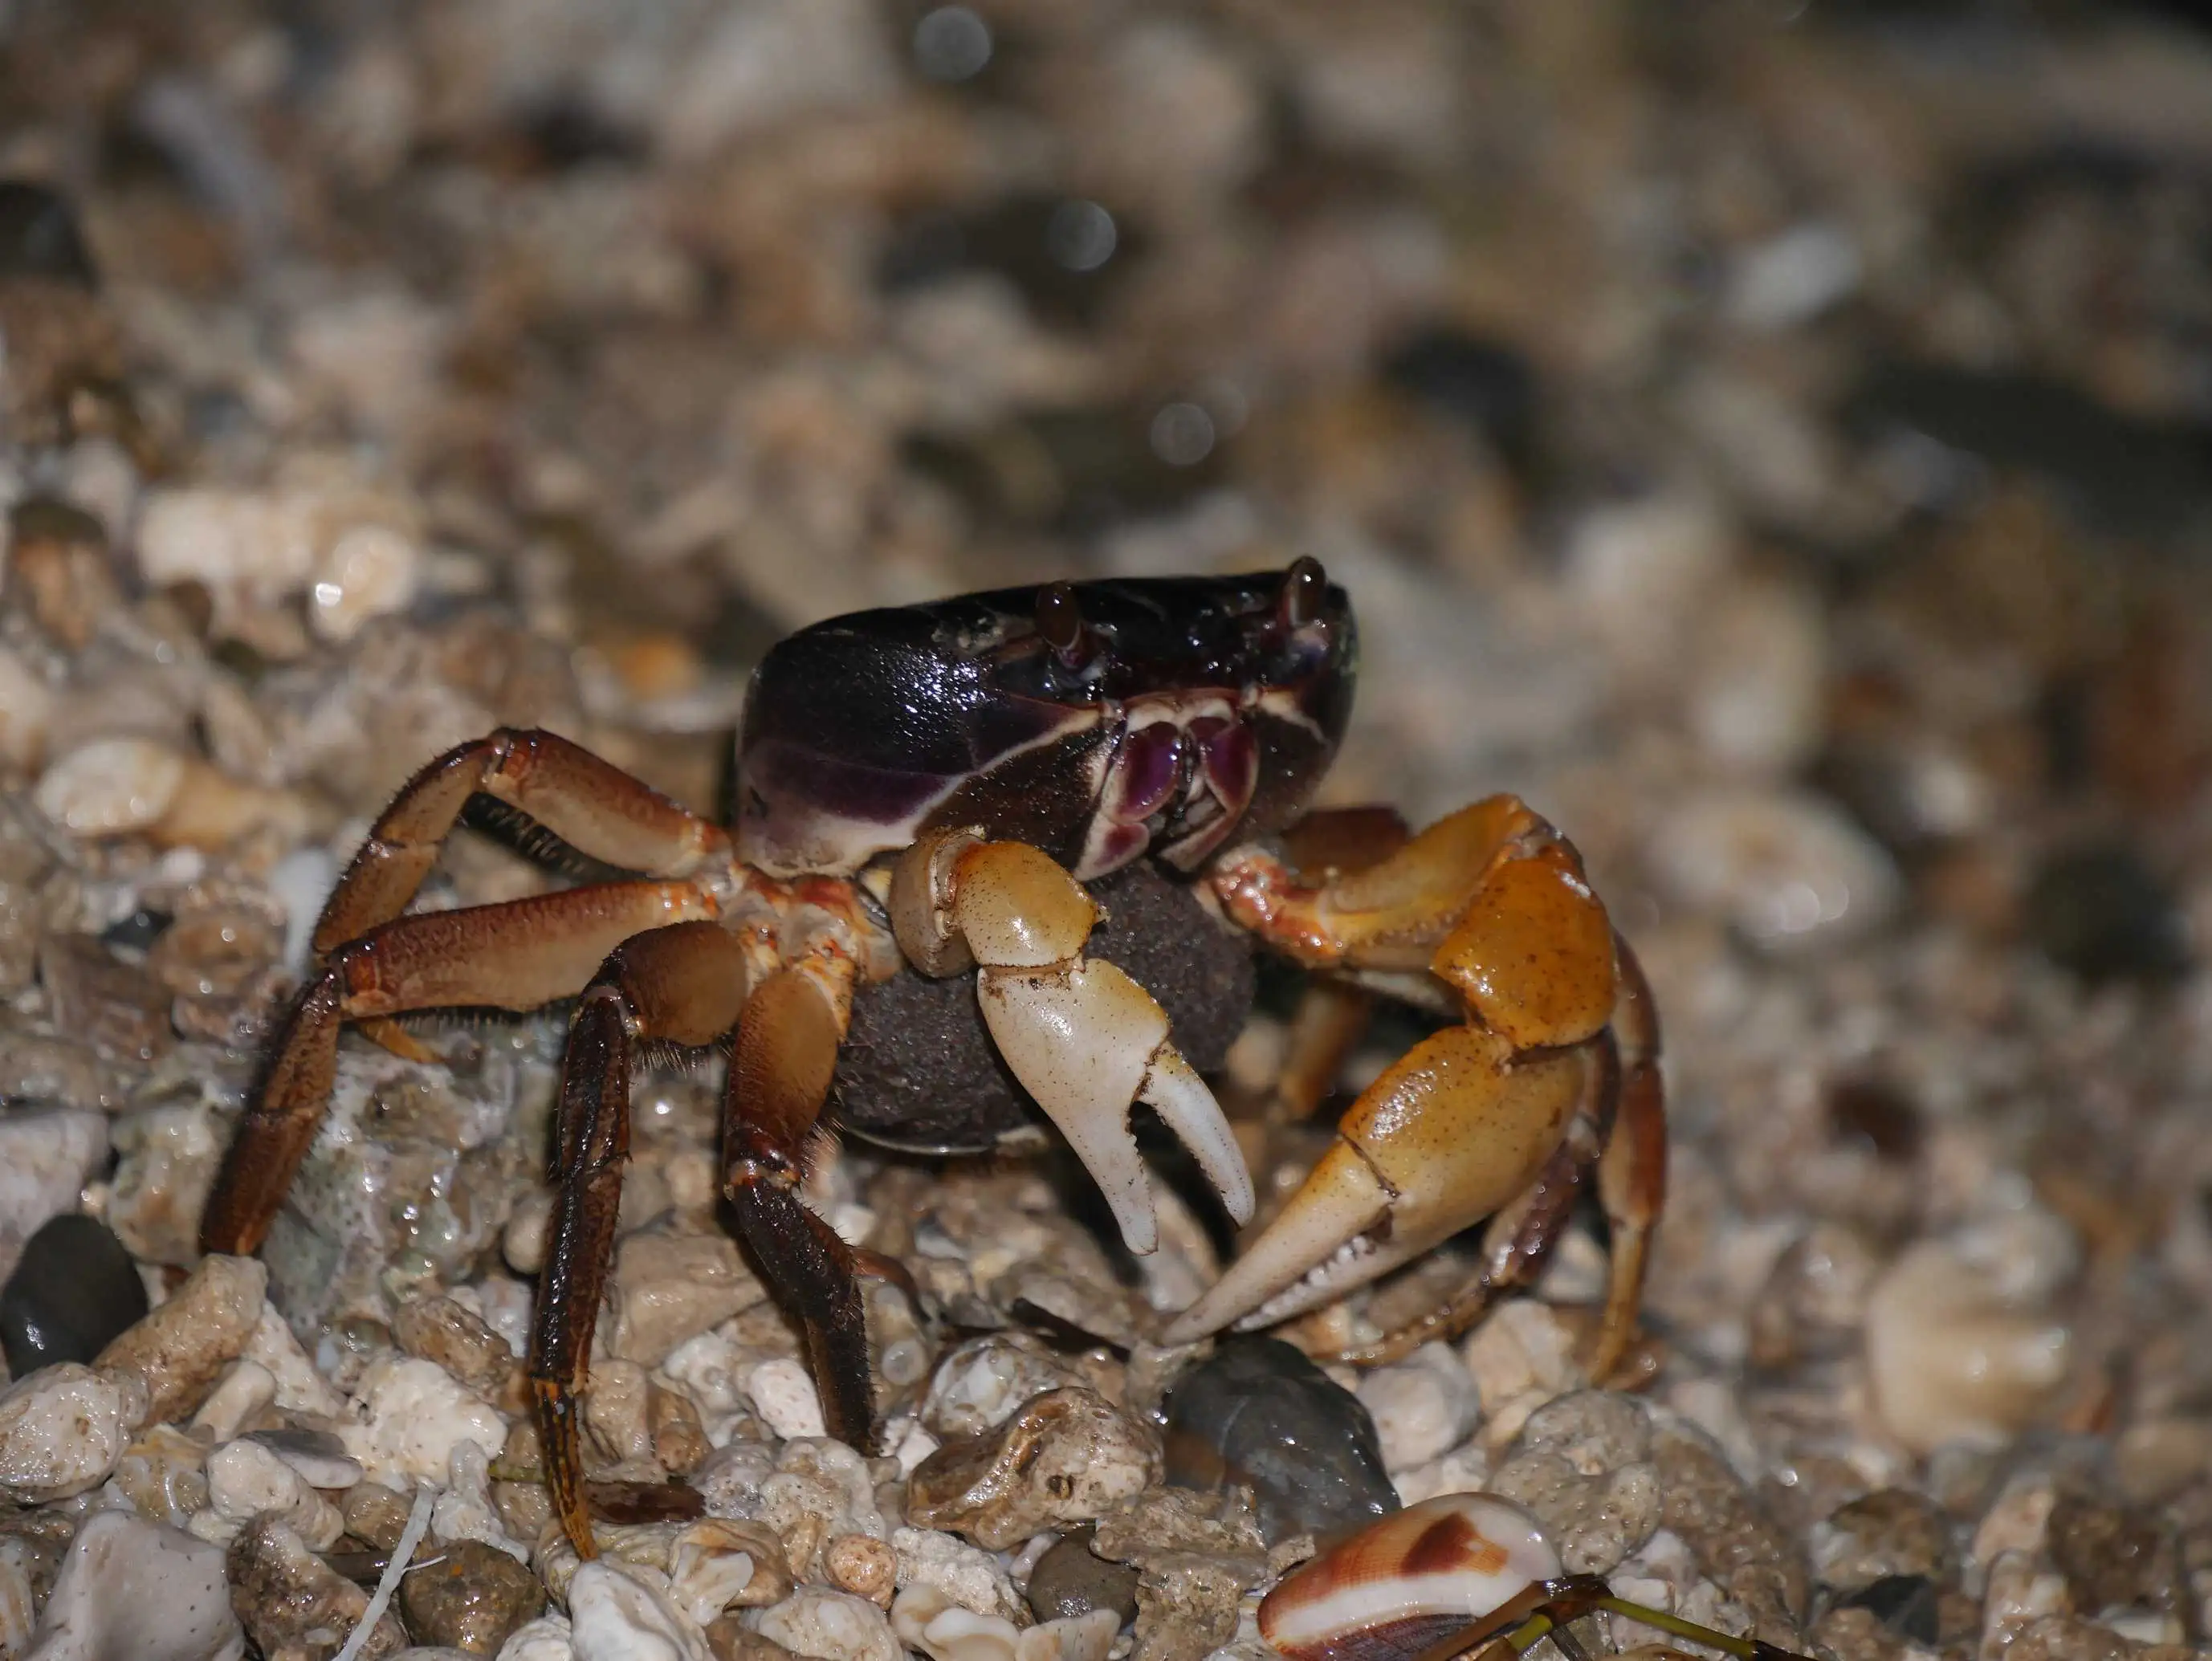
{"x":1305,"y":592}
{"x":1060,"y":622}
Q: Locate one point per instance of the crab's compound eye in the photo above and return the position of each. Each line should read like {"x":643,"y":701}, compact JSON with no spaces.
{"x":1060,"y":619}
{"x":1305,"y":587}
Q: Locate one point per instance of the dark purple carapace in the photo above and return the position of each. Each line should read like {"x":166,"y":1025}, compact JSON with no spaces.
{"x":1095,"y":720}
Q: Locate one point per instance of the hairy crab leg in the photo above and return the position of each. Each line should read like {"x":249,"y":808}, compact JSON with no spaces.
{"x":780,"y":1072}
{"x":1491,"y":903}
{"x":513,"y":956}
{"x":683,"y":985}
{"x":1084,"y":1038}
{"x":590,"y":804}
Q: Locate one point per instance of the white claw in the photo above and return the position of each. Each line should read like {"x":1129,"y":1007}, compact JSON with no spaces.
{"x":1188,"y":1108}
{"x":1082,"y":1042}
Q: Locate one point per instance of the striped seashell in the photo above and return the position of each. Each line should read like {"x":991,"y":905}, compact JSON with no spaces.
{"x":1408,"y":1582}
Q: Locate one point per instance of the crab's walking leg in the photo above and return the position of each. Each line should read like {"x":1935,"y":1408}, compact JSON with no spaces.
{"x":1631,"y":1177}
{"x":683,"y":986}
{"x":1490,"y":904}
{"x":513,"y":956}
{"x":593,"y":806}
{"x":780,"y":1072}
{"x":1085,"y":1039}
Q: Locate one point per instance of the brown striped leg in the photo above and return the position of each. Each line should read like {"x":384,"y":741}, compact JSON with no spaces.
{"x":684,"y":985}
{"x":595,"y":807}
{"x":1331,"y":1019}
{"x":1631,"y":1177}
{"x":1518,"y":1241}
{"x":779,"y":1073}
{"x":514,"y":956}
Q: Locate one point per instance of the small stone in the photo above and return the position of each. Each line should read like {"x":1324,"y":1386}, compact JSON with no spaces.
{"x":1785,"y":868}
{"x":728,"y":1639}
{"x":1959,"y":1346}
{"x":169,"y":1156}
{"x":63,"y":1429}
{"x":374,"y":1514}
{"x":1421,"y":1405}
{"x":981,"y":1383}
{"x":72,"y":1292}
{"x":244,"y":1390}
{"x":966,"y":1574}
{"x":247,"y":1479}
{"x":680,"y":1445}
{"x":616,"y":1616}
{"x":862,"y":1565}
{"x":45,"y":1160}
{"x":782,"y":1393}
{"x":716,"y":1565}
{"x":1707,"y":1505}
{"x":285,"y":1594}
{"x":1070,"y":1579}
{"x":925,"y":1619}
{"x":164,"y":1475}
{"x":834,"y":1625}
{"x":1891,"y":1533}
{"x":545,"y":1639}
{"x":1066,"y":1457}
{"x":1257,"y":1412}
{"x":319,"y":1456}
{"x":1582,"y":1465}
{"x":669,"y":1287}
{"x":1196,"y":1555}
{"x":473,"y":1600}
{"x":181,"y":1348}
{"x":135,"y":1590}
{"x":39,"y":238}
{"x":112,"y":786}
{"x":26,"y":709}
{"x":116,"y":1007}
{"x":437,"y":1329}
{"x":2101,"y":912}
{"x":412,"y":1413}
{"x":1520,"y":1358}
{"x":2114,"y":1558}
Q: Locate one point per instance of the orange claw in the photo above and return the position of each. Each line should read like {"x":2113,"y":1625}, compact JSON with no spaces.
{"x":1486,"y":912}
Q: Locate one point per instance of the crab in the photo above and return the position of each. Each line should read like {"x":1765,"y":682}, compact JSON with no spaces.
{"x":927,"y":790}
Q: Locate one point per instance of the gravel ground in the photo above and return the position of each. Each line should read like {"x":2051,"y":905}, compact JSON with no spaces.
{"x":1773,"y":440}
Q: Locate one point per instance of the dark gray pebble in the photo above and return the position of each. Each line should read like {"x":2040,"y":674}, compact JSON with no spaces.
{"x":74,"y":1290}
{"x":1260,"y":1414}
{"x":1069,"y":1580}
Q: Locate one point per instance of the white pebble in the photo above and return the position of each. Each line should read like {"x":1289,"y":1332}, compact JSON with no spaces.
{"x":408,"y":1416}
{"x":1960,"y":1341}
{"x":616,"y":1617}
{"x":925,"y":1619}
{"x":545,"y":1639}
{"x":246,"y":1479}
{"x":110,"y":786}
{"x":244,"y":1390}
{"x":1784,"y":867}
{"x":370,"y":571}
{"x":1421,"y":1406}
{"x":833,"y":1626}
{"x":26,"y":708}
{"x":135,"y":1590}
{"x":783,"y":1394}
{"x":960,"y":1574}
{"x":299,"y":1388}
{"x":464,"y":1510}
{"x":45,"y":1160}
{"x":61,"y":1430}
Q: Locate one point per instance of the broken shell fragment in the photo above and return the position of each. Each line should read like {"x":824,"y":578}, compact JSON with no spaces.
{"x":1409,"y":1581}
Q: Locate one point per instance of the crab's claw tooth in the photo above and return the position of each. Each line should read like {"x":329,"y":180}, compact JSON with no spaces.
{"x":1087,"y":1042}
{"x":1442,"y":1138}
